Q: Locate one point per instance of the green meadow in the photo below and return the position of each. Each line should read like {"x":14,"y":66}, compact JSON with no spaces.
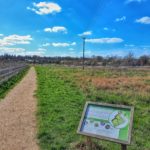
{"x":63,"y":91}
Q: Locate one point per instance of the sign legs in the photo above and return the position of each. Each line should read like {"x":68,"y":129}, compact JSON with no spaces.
{"x":89,"y":143}
{"x":123,"y":147}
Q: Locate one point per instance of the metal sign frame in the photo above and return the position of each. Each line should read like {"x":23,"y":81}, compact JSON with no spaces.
{"x":131,"y":109}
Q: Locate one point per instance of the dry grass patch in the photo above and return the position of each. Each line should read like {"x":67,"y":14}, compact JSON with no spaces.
{"x":137,"y":84}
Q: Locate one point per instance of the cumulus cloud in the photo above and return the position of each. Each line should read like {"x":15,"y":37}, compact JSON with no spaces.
{"x":63,"y":44}
{"x":45,"y":8}
{"x":15,"y":39}
{"x":138,"y":1}
{"x":105,"y":40}
{"x":86,"y":33}
{"x":143,"y":20}
{"x":56,"y":29}
{"x":1,"y":34}
{"x":123,"y":18}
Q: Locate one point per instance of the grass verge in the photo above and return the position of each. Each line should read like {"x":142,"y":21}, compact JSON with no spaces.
{"x":6,"y":86}
{"x":60,"y":104}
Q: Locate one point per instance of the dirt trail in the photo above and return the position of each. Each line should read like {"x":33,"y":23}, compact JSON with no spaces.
{"x":17,"y":116}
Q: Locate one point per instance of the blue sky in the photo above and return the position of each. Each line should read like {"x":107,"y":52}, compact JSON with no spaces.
{"x":55,"y":28}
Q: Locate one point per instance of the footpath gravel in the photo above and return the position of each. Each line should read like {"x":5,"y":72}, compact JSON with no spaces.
{"x":18,"y":116}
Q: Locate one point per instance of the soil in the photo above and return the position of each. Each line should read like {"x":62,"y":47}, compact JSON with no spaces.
{"x":18,"y":116}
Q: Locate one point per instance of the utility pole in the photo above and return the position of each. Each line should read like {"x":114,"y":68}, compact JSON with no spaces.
{"x":83,"y":59}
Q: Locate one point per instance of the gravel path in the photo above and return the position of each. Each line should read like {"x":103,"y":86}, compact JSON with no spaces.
{"x":17,"y":116}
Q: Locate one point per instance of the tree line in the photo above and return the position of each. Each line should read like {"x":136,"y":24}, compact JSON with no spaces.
{"x":128,"y":60}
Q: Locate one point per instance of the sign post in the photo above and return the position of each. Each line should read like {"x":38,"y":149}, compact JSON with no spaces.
{"x":89,"y":143}
{"x":123,"y":147}
{"x":107,"y":122}
{"x":83,"y":59}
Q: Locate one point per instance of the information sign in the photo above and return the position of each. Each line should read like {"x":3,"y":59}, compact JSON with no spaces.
{"x":107,"y":121}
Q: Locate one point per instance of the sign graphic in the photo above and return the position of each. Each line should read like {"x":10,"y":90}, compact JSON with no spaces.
{"x":109,"y":122}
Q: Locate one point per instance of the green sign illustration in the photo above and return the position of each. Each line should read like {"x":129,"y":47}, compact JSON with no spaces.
{"x":107,"y":121}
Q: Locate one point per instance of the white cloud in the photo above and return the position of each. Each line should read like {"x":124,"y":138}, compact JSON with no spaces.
{"x":63,"y":44}
{"x":86,"y":33}
{"x":46,"y":44}
{"x":44,"y":8}
{"x":71,"y":49}
{"x":72,"y":52}
{"x":129,"y":45}
{"x":21,"y":51}
{"x":143,"y":20}
{"x":41,"y":49}
{"x":32,"y":53}
{"x":123,"y":18}
{"x":11,"y":50}
{"x":138,"y":1}
{"x":137,"y":46}
{"x":1,"y":34}
{"x":15,"y":39}
{"x":106,"y":29}
{"x":88,"y":53}
{"x":105,"y":40}
{"x":56,"y":29}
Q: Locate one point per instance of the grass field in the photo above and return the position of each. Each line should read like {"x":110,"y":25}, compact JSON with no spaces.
{"x":7,"y":85}
{"x":62,"y":93}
